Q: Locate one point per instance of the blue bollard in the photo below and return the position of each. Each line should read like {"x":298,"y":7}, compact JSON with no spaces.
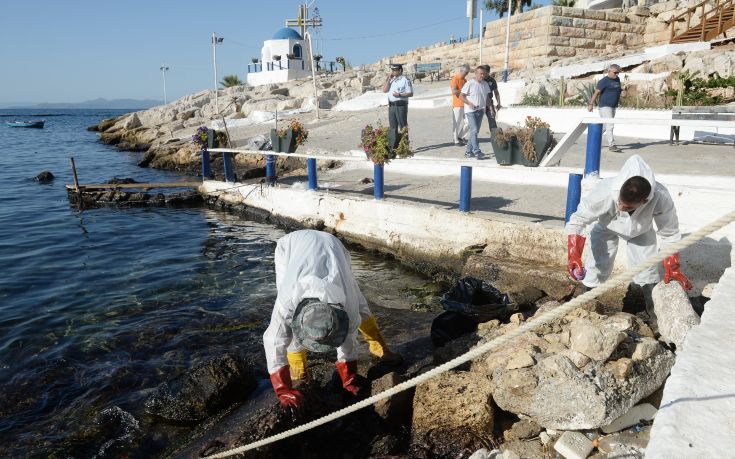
{"x":270,"y":169}
{"x":227,"y":162}
{"x":206,"y":165}
{"x":378,"y":181}
{"x":574,"y":194}
{"x":594,"y":149}
{"x":311,"y":167}
{"x":465,"y":188}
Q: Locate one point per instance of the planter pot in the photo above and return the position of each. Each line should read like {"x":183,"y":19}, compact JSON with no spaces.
{"x":512,"y":152}
{"x":285,"y":144}
{"x":506,"y":154}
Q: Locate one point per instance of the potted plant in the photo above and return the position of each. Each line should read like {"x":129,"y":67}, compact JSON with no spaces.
{"x":254,"y":60}
{"x":291,"y":56}
{"x":525,"y":145}
{"x":375,"y":141}
{"x":201,"y":138}
{"x":288,"y":139}
{"x":276,"y":57}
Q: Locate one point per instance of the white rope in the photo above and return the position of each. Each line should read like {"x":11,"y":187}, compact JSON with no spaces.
{"x":497,"y":342}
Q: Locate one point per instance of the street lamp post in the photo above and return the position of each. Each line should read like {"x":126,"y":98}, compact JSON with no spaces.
{"x":507,"y":43}
{"x":215,"y":41}
{"x":164,"y":69}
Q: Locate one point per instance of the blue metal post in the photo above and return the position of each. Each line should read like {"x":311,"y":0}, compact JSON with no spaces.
{"x":574,"y":194}
{"x":465,"y":189}
{"x":229,"y":172}
{"x":378,"y":181}
{"x":270,"y":169}
{"x":594,"y":149}
{"x":311,"y":167}
{"x":206,"y":165}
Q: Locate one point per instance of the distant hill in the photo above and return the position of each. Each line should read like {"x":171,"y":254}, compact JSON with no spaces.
{"x":103,"y":103}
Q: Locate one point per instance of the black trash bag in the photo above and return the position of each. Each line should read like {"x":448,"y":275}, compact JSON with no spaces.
{"x":450,"y":325}
{"x":478,"y":300}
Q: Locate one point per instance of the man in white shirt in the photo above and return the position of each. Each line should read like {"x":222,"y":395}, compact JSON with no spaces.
{"x":399,"y":89}
{"x":475,"y":94}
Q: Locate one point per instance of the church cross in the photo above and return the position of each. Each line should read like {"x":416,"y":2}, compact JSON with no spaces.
{"x":303,"y":22}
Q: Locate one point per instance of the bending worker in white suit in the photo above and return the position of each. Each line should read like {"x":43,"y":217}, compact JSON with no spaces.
{"x":319,"y":307}
{"x":625,"y":207}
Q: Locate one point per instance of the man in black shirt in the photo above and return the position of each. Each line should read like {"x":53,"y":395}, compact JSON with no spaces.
{"x":492,"y":110}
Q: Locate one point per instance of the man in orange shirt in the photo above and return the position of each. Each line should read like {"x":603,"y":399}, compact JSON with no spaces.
{"x":459,"y":127}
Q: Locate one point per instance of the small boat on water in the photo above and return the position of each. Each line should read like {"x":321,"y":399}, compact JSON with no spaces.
{"x":26,"y":124}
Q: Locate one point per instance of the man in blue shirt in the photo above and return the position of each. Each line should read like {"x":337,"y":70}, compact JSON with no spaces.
{"x":608,"y":90}
{"x":399,"y":89}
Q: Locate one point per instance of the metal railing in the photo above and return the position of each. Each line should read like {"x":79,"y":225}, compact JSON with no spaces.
{"x":723,"y":11}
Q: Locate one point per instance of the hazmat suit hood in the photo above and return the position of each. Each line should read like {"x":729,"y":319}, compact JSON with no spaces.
{"x":634,"y":166}
{"x":600,"y":207}
{"x":312,"y":264}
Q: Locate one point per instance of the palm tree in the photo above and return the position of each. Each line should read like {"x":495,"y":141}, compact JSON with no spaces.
{"x":569,"y":3}
{"x":501,"y":6}
{"x":231,"y":80}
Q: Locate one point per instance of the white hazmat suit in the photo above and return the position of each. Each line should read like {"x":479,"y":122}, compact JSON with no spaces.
{"x":608,"y":223}
{"x":312,"y":264}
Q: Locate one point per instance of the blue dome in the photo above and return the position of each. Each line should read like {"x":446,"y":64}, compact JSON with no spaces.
{"x":286,"y":33}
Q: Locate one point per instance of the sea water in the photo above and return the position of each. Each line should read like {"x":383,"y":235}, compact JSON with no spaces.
{"x":98,"y":307}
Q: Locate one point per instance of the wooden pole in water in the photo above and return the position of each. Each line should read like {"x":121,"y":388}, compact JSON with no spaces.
{"x":76,"y":181}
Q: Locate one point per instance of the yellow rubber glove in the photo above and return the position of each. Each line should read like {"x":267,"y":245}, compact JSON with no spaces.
{"x":369,"y":330}
{"x":297,"y":364}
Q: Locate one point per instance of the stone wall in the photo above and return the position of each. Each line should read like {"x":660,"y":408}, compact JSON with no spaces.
{"x":538,"y":38}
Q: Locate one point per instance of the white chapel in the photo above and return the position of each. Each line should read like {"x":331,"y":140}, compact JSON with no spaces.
{"x":283,"y":58}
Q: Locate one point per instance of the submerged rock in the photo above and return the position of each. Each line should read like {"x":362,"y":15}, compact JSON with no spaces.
{"x":202,"y":391}
{"x":45,"y":177}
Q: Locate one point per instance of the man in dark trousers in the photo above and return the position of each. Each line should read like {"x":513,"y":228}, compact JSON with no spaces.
{"x":608,"y":91}
{"x":399,"y":89}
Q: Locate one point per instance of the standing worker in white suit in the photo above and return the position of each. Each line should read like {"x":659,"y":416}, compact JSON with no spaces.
{"x":625,"y":207}
{"x":319,"y":307}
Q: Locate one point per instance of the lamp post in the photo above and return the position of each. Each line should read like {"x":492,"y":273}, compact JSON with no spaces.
{"x":164,"y":69}
{"x":507,"y":43}
{"x":215,"y":41}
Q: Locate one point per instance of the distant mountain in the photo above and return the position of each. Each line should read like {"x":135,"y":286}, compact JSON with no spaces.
{"x":103,"y":103}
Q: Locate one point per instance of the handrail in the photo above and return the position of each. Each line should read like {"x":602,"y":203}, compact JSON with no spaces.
{"x":719,"y":7}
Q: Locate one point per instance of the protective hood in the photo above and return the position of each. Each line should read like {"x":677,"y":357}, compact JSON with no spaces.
{"x":634,"y":166}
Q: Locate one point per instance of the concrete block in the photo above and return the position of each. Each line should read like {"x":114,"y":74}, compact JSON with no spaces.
{"x":582,"y":43}
{"x":595,"y":34}
{"x":614,"y":16}
{"x":573,"y":445}
{"x":561,"y":21}
{"x":571,"y":32}
{"x":594,"y":14}
{"x":553,"y":30}
{"x":642,"y":412}
{"x":561,"y":51}
{"x":572,"y":12}
{"x":583,"y":23}
{"x":559,"y":41}
{"x":674,"y":312}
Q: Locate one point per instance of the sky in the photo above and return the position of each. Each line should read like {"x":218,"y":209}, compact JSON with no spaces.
{"x":55,"y":51}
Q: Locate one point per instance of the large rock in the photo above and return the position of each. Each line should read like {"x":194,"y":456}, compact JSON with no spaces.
{"x":674,"y":312}
{"x":572,"y":389}
{"x":202,"y":391}
{"x":452,"y":412}
{"x":132,"y":122}
{"x":395,"y":410}
{"x":596,"y":342}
